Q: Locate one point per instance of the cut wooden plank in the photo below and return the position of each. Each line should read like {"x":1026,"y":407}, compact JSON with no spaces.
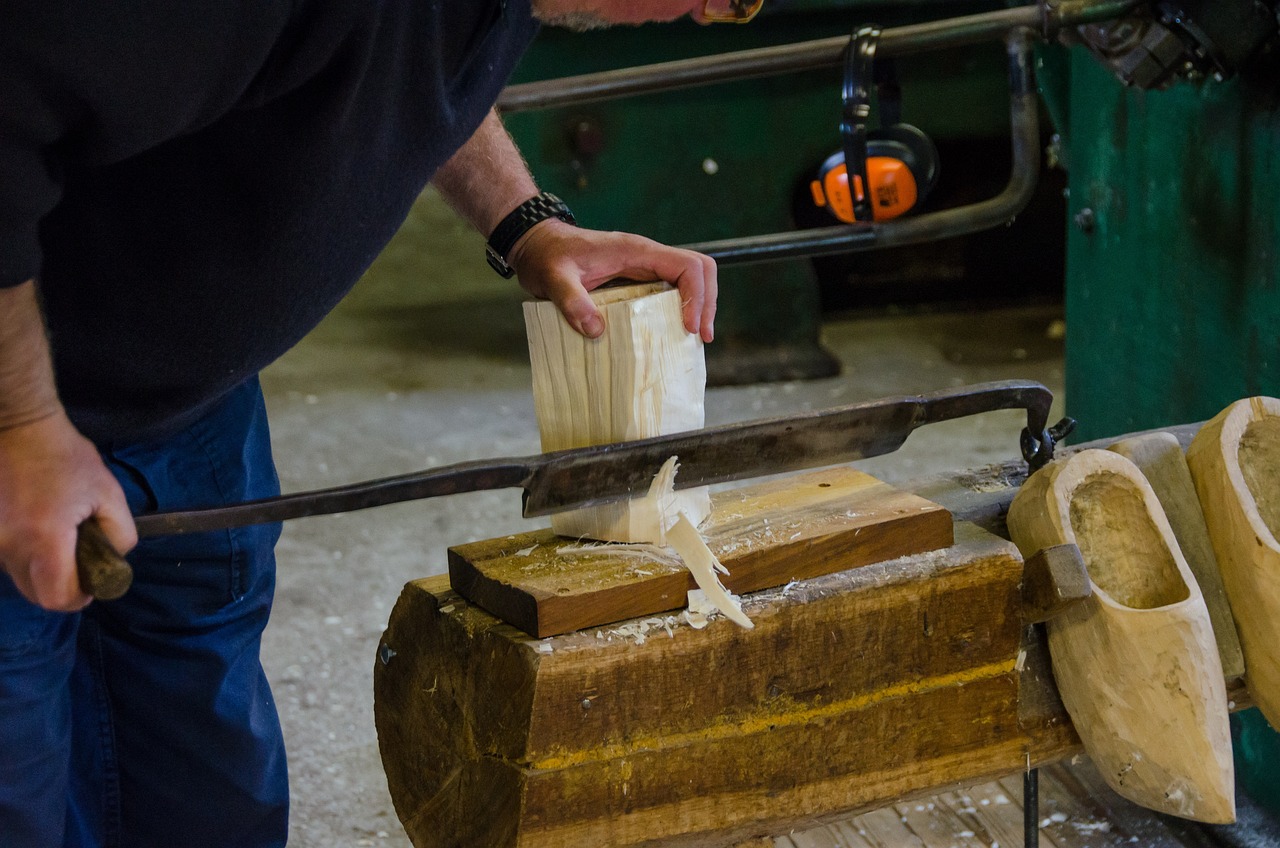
{"x":766,"y":535}
{"x":1160,"y":458}
{"x":644,"y":376}
{"x":1235,"y":461}
{"x":854,"y":689}
{"x":1136,"y":663}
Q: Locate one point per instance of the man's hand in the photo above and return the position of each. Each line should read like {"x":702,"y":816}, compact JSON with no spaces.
{"x":562,"y":262}
{"x":486,"y":179}
{"x":52,"y":479}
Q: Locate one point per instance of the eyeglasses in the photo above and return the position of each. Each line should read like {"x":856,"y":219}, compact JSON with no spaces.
{"x":730,"y":11}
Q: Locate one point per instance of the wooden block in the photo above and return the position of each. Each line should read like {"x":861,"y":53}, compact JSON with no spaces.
{"x":644,"y":376}
{"x":766,"y":535}
{"x":853,"y":689}
{"x":1160,"y":458}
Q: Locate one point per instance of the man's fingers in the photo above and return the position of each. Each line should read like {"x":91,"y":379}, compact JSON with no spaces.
{"x":563,"y":263}
{"x":697,"y":283}
{"x":54,"y":582}
{"x":579,"y":310}
{"x":700,"y":312}
{"x":117,"y":525}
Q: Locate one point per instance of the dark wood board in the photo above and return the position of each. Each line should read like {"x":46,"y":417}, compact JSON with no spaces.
{"x":767,"y":535}
{"x":853,"y":689}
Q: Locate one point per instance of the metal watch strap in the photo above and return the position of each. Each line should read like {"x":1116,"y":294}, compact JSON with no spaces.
{"x":522,"y":218}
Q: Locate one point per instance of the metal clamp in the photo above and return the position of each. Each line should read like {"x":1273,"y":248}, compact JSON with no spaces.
{"x":1037,"y":450}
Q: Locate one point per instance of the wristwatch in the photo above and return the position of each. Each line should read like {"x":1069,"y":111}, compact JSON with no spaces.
{"x":522,"y":218}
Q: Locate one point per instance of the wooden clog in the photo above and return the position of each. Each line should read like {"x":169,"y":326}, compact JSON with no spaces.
{"x":1136,"y":663}
{"x":1160,"y":458}
{"x":1235,"y":462}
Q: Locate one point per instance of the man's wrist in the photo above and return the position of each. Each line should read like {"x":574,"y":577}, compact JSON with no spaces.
{"x":517,"y":224}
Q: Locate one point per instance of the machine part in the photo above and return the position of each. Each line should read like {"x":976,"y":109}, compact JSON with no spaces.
{"x":1043,"y":19}
{"x":757,"y":344}
{"x":1031,"y":808}
{"x":1177,"y":188}
{"x":1154,"y":47}
{"x":1140,"y":51}
{"x":824,"y":241}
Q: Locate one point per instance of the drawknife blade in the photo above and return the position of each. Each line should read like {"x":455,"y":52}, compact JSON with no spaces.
{"x":568,"y":479}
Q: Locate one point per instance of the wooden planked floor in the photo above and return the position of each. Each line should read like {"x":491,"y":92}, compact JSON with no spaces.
{"x":1077,"y":810}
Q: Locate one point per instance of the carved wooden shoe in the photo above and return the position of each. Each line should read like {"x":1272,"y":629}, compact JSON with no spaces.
{"x":1160,"y":458}
{"x":1136,"y":663}
{"x":1235,"y":462}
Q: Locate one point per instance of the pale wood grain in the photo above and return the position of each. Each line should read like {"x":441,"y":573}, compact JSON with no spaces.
{"x":644,"y":376}
{"x":1235,"y":462}
{"x":1160,"y":458}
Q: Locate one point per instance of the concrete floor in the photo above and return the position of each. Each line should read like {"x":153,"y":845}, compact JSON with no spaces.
{"x":425,"y":364}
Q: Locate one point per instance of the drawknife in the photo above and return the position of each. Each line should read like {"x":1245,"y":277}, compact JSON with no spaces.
{"x":568,"y":479}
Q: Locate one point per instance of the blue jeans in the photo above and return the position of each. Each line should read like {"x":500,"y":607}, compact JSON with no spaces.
{"x":147,"y":722}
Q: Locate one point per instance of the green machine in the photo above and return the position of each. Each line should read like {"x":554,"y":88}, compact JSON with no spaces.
{"x":1173,"y":255}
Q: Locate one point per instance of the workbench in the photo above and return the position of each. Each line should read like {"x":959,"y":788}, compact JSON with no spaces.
{"x":855,"y":691}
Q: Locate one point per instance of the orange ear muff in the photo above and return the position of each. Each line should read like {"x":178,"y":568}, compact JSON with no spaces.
{"x":902,"y":167}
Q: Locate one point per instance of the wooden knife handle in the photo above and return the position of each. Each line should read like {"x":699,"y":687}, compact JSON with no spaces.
{"x":103,"y":573}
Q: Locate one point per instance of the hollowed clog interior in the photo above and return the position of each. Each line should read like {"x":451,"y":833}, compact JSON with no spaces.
{"x":1124,"y":551}
{"x":1259,"y":458}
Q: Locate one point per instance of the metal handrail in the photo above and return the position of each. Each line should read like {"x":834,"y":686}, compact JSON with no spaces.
{"x":1043,"y":19}
{"x":1018,"y":26}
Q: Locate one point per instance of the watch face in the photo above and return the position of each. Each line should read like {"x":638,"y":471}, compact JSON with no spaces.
{"x":497,"y":263}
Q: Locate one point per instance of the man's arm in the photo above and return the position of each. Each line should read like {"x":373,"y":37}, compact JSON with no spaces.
{"x":51,"y":477}
{"x":486,"y":179}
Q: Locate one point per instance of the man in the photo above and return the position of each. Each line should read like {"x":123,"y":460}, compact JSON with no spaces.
{"x":185,"y":190}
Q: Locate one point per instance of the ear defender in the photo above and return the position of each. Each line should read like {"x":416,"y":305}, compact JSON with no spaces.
{"x":897,"y":162}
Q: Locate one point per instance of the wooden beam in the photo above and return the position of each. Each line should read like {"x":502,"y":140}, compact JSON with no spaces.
{"x":1054,"y":580}
{"x":853,"y":689}
{"x":766,"y":535}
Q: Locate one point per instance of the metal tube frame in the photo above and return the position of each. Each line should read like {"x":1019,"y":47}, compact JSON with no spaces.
{"x":1018,"y":26}
{"x":1043,"y":19}
{"x":914,"y":229}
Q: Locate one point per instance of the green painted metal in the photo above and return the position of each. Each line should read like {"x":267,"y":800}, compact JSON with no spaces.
{"x":731,"y":159}
{"x":1173,"y":271}
{"x":1173,"y":297}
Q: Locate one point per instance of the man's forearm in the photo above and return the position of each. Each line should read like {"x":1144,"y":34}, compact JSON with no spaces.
{"x":27,"y":391}
{"x":486,"y":178}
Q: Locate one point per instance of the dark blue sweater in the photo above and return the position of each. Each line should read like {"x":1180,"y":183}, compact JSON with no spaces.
{"x":197,"y":183}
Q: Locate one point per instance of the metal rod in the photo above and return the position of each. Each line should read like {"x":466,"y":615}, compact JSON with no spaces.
{"x":1031,"y":808}
{"x":854,"y":238}
{"x":1045,"y":20}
